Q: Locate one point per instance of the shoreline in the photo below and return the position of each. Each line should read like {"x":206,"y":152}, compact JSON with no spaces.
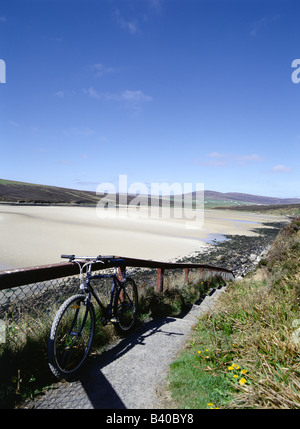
{"x":241,"y":253}
{"x":35,"y":235}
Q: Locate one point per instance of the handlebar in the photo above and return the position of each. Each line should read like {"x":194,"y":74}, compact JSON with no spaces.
{"x":70,"y":257}
{"x":99,"y":258}
{"x":85,"y":258}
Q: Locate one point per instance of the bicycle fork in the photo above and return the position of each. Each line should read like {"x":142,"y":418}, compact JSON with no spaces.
{"x":77,"y":308}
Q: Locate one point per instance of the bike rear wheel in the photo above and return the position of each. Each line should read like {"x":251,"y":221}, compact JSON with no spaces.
{"x":71,"y":336}
{"x":126,"y":305}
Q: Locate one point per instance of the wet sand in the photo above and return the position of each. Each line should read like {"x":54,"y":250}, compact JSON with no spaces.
{"x":37,"y":235}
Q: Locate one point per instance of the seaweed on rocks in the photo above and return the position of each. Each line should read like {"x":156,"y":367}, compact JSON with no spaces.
{"x":239,"y":253}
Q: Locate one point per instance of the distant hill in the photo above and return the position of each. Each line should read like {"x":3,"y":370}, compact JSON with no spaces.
{"x":280,"y":209}
{"x":29,"y":193}
{"x":21,"y":192}
{"x":248,"y":198}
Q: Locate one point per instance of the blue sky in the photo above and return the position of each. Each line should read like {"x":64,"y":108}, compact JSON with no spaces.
{"x":159,"y":90}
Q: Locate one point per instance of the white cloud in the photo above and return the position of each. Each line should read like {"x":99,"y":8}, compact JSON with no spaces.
{"x":241,"y":159}
{"x":99,"y":69}
{"x":13,"y":123}
{"x":156,"y":5}
{"x":86,"y":132}
{"x":216,"y":155}
{"x":85,"y":183}
{"x":135,"y":96}
{"x":91,"y":92}
{"x":280,"y":169}
{"x":214,"y":163}
{"x":262,"y":23}
{"x":131,"y":98}
{"x":64,"y":162}
{"x":62,"y":94}
{"x":217,"y":159}
{"x":130,"y":26}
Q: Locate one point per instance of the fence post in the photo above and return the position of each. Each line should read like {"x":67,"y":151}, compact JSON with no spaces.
{"x":186,"y":276}
{"x":120,"y":274}
{"x":160,"y":280}
{"x":120,"y":278}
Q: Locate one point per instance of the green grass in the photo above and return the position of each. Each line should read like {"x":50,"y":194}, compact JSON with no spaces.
{"x":194,"y":386}
{"x":210,"y":203}
{"x":246,"y":352}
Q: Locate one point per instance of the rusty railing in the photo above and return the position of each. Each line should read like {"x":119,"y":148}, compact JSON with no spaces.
{"x":25,"y":276}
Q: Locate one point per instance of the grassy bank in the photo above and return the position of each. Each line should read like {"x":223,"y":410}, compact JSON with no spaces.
{"x":246,"y":353}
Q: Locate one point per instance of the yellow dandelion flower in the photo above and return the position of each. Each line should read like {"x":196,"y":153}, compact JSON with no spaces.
{"x":233,"y":364}
{"x":244,"y":371}
{"x":210,"y":404}
{"x":230,"y":368}
{"x":206,"y":350}
{"x":199,"y":352}
{"x":235,"y":376}
{"x":243,"y":381}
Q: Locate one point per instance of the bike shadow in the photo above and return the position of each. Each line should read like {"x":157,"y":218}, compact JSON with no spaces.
{"x":100,"y":392}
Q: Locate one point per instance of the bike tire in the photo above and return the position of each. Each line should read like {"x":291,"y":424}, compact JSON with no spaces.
{"x":71,"y":337}
{"x":126,"y":306}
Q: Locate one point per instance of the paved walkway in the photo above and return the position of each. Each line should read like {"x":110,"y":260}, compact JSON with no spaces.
{"x":132,"y":373}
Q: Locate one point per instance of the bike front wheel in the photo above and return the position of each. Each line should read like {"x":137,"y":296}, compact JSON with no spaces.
{"x":126,"y":305}
{"x":71,"y":336}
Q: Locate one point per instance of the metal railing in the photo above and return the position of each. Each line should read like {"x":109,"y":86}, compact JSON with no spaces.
{"x":25,"y":276}
{"x":30,"y":296}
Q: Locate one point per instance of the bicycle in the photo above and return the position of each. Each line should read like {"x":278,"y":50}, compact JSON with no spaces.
{"x":73,"y":328}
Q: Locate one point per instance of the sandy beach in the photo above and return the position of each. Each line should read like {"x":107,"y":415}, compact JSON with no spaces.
{"x":38,"y":235}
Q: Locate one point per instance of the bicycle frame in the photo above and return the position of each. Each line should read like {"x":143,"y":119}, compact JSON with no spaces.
{"x":91,"y":291}
{"x":88,"y":289}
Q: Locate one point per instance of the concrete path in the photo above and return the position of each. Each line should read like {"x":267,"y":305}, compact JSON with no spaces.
{"x":131,"y":374}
